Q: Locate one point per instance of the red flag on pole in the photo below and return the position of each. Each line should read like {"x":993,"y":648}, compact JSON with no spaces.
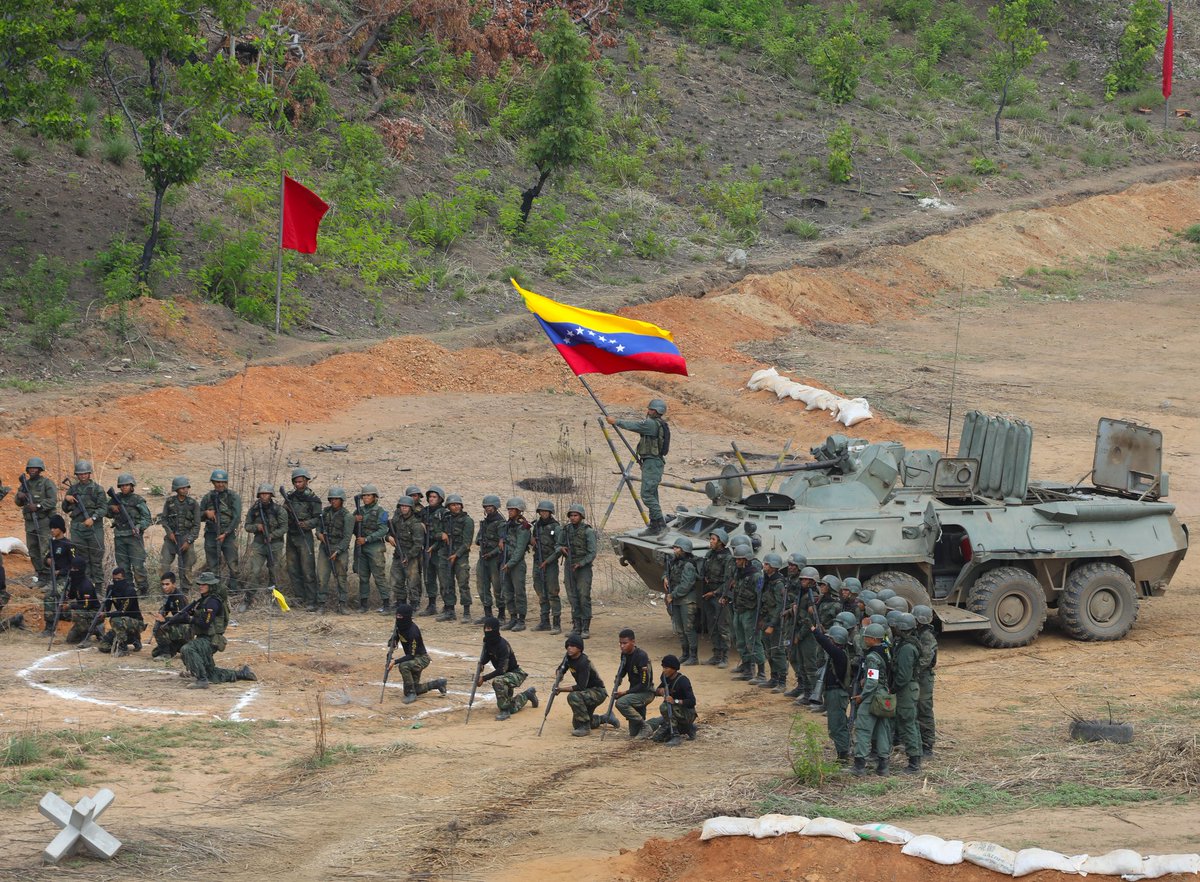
{"x":1169,"y":52}
{"x":302,"y":213}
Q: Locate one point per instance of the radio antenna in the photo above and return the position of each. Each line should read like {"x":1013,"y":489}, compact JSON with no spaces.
{"x":962,"y":288}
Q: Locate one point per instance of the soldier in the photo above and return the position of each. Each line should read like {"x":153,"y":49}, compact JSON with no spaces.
{"x":803,"y":652}
{"x":406,"y":534}
{"x":414,"y":493}
{"x":677,"y":713}
{"x":407,"y":637}
{"x":130,"y":516}
{"x":871,"y":731}
{"x":546,"y":530}
{"x":85,"y":503}
{"x":632,"y":702}
{"x":578,"y":545}
{"x":850,"y":588}
{"x":682,"y":597}
{"x":837,"y":685}
{"x":267,"y":525}
{"x":587,"y":694}
{"x":460,"y":529}
{"x":222,"y":510}
{"x":170,"y":639}
{"x":906,"y":662}
{"x":335,"y":530}
{"x":81,"y":602}
{"x":37,"y":505}
{"x":370,"y":530}
{"x":927,"y":640}
{"x":181,"y":520}
{"x":652,"y":447}
{"x":303,"y":508}
{"x":204,"y":618}
{"x":830,"y":602}
{"x":744,"y":599}
{"x":716,"y":572}
{"x":124,"y":615}
{"x":17,"y":621}
{"x":487,"y":568}
{"x":774,"y":593}
{"x":506,"y":674}
{"x":437,"y":553}
{"x":59,"y":559}
{"x":515,"y":542}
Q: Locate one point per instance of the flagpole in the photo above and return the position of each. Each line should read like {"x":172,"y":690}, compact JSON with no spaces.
{"x":279,"y":256}
{"x":604,"y":410}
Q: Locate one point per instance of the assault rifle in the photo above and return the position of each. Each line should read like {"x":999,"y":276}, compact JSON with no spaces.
{"x":670,"y":706}
{"x":612,"y":699}
{"x":79,"y":506}
{"x":98,"y":618}
{"x":358,"y":528}
{"x":262,"y":514}
{"x":387,"y":670}
{"x":559,"y":674}
{"x":124,"y":512}
{"x":475,"y":682}
{"x":217,"y":524}
{"x":31,"y":508}
{"x":337,"y":580}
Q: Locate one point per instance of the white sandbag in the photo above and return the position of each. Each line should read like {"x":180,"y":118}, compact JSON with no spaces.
{"x":778,"y":825}
{"x":883,"y":833}
{"x":758,"y":378}
{"x":853,"y":411}
{"x":724,"y":826}
{"x":990,"y":856}
{"x":1119,"y":862}
{"x":825,"y":400}
{"x":784,"y":390}
{"x":1157,"y":865}
{"x":935,"y":848}
{"x":830,"y":827}
{"x":1030,"y":860}
{"x":798,"y":391}
{"x":809,"y":397}
{"x":11,"y":544}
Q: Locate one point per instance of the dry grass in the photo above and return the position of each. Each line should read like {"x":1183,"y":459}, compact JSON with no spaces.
{"x":1168,"y":760}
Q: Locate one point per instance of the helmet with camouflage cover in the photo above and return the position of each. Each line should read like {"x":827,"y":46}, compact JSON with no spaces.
{"x":773,"y":560}
{"x":515,"y":502}
{"x":265,"y":488}
{"x":219,"y":475}
{"x":810,"y":573}
{"x":546,"y":505}
{"x":875,"y":632}
{"x":797,"y":559}
{"x":35,"y":462}
{"x":839,"y":635}
{"x":846,"y":619}
{"x":876,"y":607}
{"x":576,"y":508}
{"x":368,"y":490}
{"x":720,"y":535}
{"x":124,"y":479}
{"x":180,"y":482}
{"x":741,"y":552}
{"x":896,"y":602}
{"x":923,"y":614}
{"x":683,"y":542}
{"x":83,"y":467}
{"x":886,"y":593}
{"x":491,"y":499}
{"x":852,"y":585}
{"x":905,"y":622}
{"x":658,"y":405}
{"x":832,"y":581}
{"x":301,"y":473}
{"x":336,"y":493}
{"x":454,"y":499}
{"x":441,"y":494}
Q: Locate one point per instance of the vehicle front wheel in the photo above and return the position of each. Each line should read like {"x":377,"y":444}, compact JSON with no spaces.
{"x":1013,"y":602}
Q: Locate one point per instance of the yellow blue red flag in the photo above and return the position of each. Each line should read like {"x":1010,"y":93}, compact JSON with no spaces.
{"x":599,"y":343}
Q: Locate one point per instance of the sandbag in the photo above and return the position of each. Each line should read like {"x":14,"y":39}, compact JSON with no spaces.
{"x":853,"y":411}
{"x":1030,"y":860}
{"x":725,"y":826}
{"x":830,"y":827}
{"x":798,"y":391}
{"x":990,"y":856}
{"x":778,"y":825}
{"x":1119,"y":862}
{"x":759,"y":378}
{"x":1164,"y":864}
{"x":784,"y":390}
{"x":935,"y":848}
{"x":11,"y":545}
{"x":883,"y":833}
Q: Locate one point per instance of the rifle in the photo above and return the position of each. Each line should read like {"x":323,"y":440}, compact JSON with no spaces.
{"x":560,"y":673}
{"x":387,"y":669}
{"x":125,"y":515}
{"x":337,"y":580}
{"x":79,"y":507}
{"x":31,"y":507}
{"x":358,"y":510}
{"x":670,"y":707}
{"x":217,"y":524}
{"x":262,"y":514}
{"x":475,"y":683}
{"x":612,"y":699}
{"x":98,"y":618}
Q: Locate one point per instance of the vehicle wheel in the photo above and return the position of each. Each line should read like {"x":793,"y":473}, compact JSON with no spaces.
{"x":1098,"y":730}
{"x":906,"y":586}
{"x":1013,"y":601}
{"x":1098,"y":602}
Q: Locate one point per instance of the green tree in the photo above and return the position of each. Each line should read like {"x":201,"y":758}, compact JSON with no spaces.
{"x":1019,"y":43}
{"x":838,"y":59}
{"x":1143,"y":34}
{"x":36,"y":75}
{"x":175,"y":92}
{"x":562,"y":117}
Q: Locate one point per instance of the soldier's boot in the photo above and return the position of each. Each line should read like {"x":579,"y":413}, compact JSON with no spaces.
{"x":611,"y":719}
{"x":582,"y":731}
{"x":446,"y":615}
{"x":713,"y":659}
{"x":741,"y":667}
{"x":675,"y":741}
{"x":244,"y":673}
{"x":341,"y":609}
{"x":499,"y":614}
{"x":199,"y":684}
{"x":926,"y":752}
{"x":487,"y":611}
{"x":860,"y":767}
{"x":635,"y":727}
{"x":691,"y":732}
{"x":914,"y":766}
{"x":574,"y":626}
{"x":759,"y":677}
{"x":843,"y":757}
{"x":780,"y":686}
{"x":768,"y":682}
{"x":586,"y":633}
{"x":503,"y":715}
{"x":556,"y":628}
{"x":439,"y":684}
{"x":409,"y":696}
{"x":531,"y":696}
{"x":657,"y":525}
{"x":430,"y":608}
{"x":510,"y":624}
{"x":797,"y":691}
{"x":312,"y":607}
{"x":690,"y":660}
{"x":466,"y":616}
{"x":723,"y":661}
{"x":385,"y":607}
{"x":745,"y":672}
{"x":882,"y":768}
{"x":543,"y":623}
{"x":137,"y":645}
{"x":520,"y":625}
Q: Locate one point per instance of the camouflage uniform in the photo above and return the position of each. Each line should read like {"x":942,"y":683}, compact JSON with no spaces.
{"x":744,"y":599}
{"x":545,"y":571}
{"x":487,"y":568}
{"x":437,"y":554}
{"x":337,"y":524}
{"x":804,"y":652}
{"x":83,"y":600}
{"x":369,"y":559}
{"x":774,"y":592}
{"x":460,"y":529}
{"x":301,"y":566}
{"x":651,"y":436}
{"x":716,"y":572}
{"x":587,"y":694}
{"x":927,"y":640}
{"x":129,"y":546}
{"x":409,"y":535}
{"x":124,"y":615}
{"x":170,"y":639}
{"x":516,"y":543}
{"x":264,"y":559}
{"x":36,"y":512}
{"x":93,"y":501}
{"x":906,"y":662}
{"x":869,"y":730}
{"x":181,"y":518}
{"x":205,"y":619}
{"x":683,"y":596}
{"x":579,"y":545}
{"x":227,"y":509}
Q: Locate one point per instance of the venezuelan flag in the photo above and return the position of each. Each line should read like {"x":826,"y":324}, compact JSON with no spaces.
{"x":599,"y":343}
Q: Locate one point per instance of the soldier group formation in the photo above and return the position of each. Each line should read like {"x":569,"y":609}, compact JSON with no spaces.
{"x":863,"y":658}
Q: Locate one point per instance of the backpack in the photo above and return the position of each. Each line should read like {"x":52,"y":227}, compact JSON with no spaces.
{"x":664,"y":438}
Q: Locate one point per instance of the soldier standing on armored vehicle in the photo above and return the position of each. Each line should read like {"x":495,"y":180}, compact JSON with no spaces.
{"x":652,"y":447}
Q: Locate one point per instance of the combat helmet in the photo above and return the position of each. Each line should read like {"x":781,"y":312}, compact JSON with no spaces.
{"x":35,"y":462}
{"x":180,"y":482}
{"x":454,"y":499}
{"x":219,"y":475}
{"x":336,"y":493}
{"x":124,"y":478}
{"x":658,"y":405}
{"x":491,"y":499}
{"x":923,"y":614}
{"x":301,"y":473}
{"x":576,"y":508}
{"x":515,"y":502}
{"x":683,"y":542}
{"x":773,"y":560}
{"x":546,"y":505}
{"x":83,"y":467}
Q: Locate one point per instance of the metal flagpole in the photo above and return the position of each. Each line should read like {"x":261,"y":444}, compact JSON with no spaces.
{"x":612,"y":503}
{"x":604,"y":410}
{"x":624,"y":476}
{"x":279,"y":257}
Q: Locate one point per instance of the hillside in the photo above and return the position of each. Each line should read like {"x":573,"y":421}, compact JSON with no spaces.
{"x":716,"y":132}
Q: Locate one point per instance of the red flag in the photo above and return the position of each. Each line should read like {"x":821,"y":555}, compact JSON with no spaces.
{"x":302,"y":213}
{"x":1169,"y":52}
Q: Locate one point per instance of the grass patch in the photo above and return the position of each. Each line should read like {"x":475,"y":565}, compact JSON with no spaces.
{"x":805,"y":229}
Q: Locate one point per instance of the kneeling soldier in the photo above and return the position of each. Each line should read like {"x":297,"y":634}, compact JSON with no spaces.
{"x":632,"y":702}
{"x":506,"y":674}
{"x":124,"y":616}
{"x":678,"y":710}
{"x":407,"y":636}
{"x":587,"y":694}
{"x":204,"y":616}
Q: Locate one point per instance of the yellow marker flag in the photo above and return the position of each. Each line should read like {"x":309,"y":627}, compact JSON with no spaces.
{"x":280,"y":599}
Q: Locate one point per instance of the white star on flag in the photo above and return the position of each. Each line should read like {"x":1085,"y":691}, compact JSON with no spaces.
{"x":620,"y":349}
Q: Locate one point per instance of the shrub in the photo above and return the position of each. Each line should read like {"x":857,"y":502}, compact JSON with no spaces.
{"x":806,"y":752}
{"x":1192,"y":234}
{"x":22,"y":153}
{"x":1143,"y":34}
{"x":42,"y":292}
{"x":82,"y":145}
{"x":439,"y":222}
{"x":116,"y":149}
{"x":117,"y":266}
{"x":649,"y":245}
{"x":841,"y":147}
{"x":837,"y":63}
{"x":740,"y":203}
{"x":984,"y":165}
{"x":805,"y":229}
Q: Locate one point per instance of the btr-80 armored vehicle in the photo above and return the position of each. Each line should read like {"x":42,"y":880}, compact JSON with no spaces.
{"x":991,"y":549}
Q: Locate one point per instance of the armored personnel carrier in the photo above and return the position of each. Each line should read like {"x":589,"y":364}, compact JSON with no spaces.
{"x":991,"y":550}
